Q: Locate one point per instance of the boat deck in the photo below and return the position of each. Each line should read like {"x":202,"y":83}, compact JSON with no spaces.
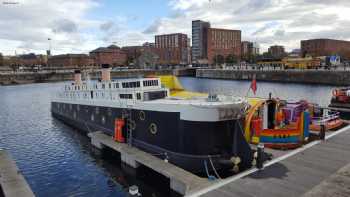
{"x":305,"y":171}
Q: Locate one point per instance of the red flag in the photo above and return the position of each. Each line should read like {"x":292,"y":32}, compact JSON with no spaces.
{"x":253,"y":85}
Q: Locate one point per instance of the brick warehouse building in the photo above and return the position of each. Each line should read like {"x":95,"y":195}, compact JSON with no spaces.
{"x":325,"y":47}
{"x":70,"y":60}
{"x":249,"y":49}
{"x":277,"y":51}
{"x":172,"y":49}
{"x":111,"y":55}
{"x":223,"y":42}
{"x":134,"y":52}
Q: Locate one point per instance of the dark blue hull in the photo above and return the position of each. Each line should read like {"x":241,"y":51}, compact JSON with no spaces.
{"x":187,"y":144}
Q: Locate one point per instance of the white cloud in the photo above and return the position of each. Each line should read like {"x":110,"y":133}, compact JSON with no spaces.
{"x":27,"y":25}
{"x":269,"y":22}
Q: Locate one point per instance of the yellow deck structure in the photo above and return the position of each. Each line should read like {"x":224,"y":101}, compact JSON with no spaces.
{"x":176,"y":89}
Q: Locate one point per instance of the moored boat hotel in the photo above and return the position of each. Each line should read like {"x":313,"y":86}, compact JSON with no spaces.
{"x":198,"y":134}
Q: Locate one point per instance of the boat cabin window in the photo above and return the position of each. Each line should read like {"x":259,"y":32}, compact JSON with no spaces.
{"x":135,"y":84}
{"x":138,"y":96}
{"x":125,"y":96}
{"x":150,"y":83}
{"x":148,"y":96}
{"x":103,"y":86}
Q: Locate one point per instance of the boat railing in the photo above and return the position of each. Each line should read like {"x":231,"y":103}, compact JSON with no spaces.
{"x":324,"y":119}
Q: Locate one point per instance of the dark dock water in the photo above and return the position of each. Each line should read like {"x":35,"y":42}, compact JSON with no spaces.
{"x":58,"y":161}
{"x":55,"y":159}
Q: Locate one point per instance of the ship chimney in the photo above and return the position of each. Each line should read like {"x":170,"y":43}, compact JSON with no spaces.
{"x":106,"y":72}
{"x":77,"y":77}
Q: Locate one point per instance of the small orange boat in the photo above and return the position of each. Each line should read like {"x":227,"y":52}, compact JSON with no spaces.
{"x":319,"y":116}
{"x":331,"y":121}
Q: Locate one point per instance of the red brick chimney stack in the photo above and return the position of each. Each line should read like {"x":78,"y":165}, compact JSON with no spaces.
{"x":77,"y":77}
{"x":106,"y":72}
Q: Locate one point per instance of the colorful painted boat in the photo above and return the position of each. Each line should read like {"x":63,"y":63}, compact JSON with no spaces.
{"x":266,"y":123}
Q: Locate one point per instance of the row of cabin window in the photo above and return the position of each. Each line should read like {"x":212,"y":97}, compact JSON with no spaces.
{"x":75,"y":87}
{"x":85,"y":95}
{"x":150,"y":83}
{"x":116,"y":85}
{"x":135,"y":84}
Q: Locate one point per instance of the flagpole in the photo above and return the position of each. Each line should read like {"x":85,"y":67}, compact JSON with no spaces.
{"x":246,"y":95}
{"x":252,"y":86}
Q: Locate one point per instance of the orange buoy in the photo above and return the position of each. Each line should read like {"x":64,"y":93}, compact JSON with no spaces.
{"x":118,"y":130}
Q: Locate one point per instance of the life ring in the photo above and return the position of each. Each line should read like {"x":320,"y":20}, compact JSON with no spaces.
{"x":142,"y":115}
{"x":153,"y":128}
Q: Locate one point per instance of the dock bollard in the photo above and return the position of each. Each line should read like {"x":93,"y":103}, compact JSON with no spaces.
{"x":323,"y":132}
{"x":260,"y":157}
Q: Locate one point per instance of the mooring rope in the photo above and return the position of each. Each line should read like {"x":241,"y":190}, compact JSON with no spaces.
{"x":212,"y":165}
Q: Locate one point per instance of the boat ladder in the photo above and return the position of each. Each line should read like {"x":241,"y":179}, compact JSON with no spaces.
{"x":129,"y":126}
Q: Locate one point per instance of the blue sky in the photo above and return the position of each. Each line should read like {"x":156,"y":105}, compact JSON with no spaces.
{"x":140,"y":13}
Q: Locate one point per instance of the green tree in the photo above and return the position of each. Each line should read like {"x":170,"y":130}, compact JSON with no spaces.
{"x":231,"y":59}
{"x":267,"y":55}
{"x":130,"y":60}
{"x":219,"y":59}
{"x":253,"y":58}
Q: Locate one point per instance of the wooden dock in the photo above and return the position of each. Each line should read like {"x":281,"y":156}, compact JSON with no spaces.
{"x":181,"y":181}
{"x":12,"y":182}
{"x":306,"y":171}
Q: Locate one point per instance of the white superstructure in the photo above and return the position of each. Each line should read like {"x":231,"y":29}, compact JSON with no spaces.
{"x":148,"y":94}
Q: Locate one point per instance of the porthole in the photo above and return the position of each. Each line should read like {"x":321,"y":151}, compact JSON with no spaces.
{"x":153,"y":128}
{"x":103,"y":120}
{"x":142,"y":115}
{"x":92,"y":117}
